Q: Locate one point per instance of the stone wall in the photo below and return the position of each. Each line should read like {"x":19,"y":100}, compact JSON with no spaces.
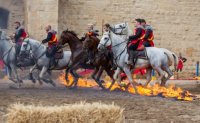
{"x":16,"y":12}
{"x":175,"y":22}
{"x":40,"y":13}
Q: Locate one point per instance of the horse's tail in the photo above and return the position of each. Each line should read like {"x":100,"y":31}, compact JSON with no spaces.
{"x":175,"y":61}
{"x":172,"y":57}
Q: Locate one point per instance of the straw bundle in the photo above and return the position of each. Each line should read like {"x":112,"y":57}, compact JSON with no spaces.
{"x":71,"y":113}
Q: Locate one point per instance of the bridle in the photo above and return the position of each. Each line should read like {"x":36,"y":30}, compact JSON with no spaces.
{"x":33,"y":51}
{"x":7,"y":53}
{"x":110,"y":47}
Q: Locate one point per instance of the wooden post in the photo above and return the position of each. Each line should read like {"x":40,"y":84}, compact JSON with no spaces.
{"x":102,"y":26}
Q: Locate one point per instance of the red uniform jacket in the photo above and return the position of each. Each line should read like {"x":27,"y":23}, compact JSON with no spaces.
{"x":149,"y":36}
{"x":138,"y":37}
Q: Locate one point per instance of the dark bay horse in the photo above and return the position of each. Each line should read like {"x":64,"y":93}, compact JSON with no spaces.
{"x":79,"y":57}
{"x":100,"y":59}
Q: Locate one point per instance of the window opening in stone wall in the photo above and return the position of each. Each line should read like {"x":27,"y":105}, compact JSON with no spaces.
{"x":4,"y":14}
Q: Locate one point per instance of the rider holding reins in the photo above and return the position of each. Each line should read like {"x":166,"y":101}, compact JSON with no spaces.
{"x":91,"y":32}
{"x":19,"y":35}
{"x":52,"y":43}
{"x":136,"y":41}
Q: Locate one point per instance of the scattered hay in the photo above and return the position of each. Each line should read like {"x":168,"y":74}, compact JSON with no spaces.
{"x":70,"y":113}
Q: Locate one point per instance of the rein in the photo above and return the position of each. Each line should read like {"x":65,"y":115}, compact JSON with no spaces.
{"x":36,"y":50}
{"x":7,"y":53}
{"x":118,"y":56}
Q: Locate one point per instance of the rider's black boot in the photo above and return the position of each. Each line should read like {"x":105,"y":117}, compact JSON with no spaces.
{"x":52,"y":62}
{"x":132,"y":56}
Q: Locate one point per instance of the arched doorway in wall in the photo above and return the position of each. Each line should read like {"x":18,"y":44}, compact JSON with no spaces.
{"x":4,"y":16}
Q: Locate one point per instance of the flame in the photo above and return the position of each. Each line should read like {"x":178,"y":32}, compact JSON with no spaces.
{"x":155,"y":90}
{"x":5,"y":78}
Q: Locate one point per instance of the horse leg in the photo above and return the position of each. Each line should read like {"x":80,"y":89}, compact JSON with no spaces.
{"x":44,"y":70}
{"x":13,"y":68}
{"x":110,"y":74}
{"x":161,"y":74}
{"x":66,"y":74}
{"x":74,"y":74}
{"x":115,"y":76}
{"x":9,"y":74}
{"x":75,"y":79}
{"x":31,"y":73}
{"x":129,"y":76}
{"x":94,"y":73}
{"x":170,"y":74}
{"x":99,"y":82}
{"x":148,"y":76}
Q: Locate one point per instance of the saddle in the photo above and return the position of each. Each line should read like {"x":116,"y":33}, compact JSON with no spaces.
{"x":58,"y":53}
{"x":141,"y":52}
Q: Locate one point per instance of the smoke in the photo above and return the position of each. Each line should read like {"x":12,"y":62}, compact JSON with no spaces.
{"x":4,"y":14}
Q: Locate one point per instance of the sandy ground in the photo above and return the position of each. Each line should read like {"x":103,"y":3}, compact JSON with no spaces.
{"x":138,"y":109}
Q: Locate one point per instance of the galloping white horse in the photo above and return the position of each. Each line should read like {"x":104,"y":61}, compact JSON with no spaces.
{"x":7,"y":54}
{"x":42,"y":61}
{"x":157,"y":58}
{"x":124,"y":31}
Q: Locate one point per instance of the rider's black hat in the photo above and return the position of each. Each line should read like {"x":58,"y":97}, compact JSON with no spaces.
{"x":138,"y":20}
{"x":143,"y":21}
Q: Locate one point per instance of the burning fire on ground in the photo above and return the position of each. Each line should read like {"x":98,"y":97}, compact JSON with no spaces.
{"x":155,"y":90}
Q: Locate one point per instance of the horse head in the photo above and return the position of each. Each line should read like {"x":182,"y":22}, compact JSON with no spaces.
{"x":121,"y":29}
{"x":105,"y":41}
{"x":25,"y":48}
{"x":67,"y":36}
{"x":3,"y":35}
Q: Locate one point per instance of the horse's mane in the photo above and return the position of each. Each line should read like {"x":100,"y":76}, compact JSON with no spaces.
{"x":71,"y":32}
{"x":3,"y":35}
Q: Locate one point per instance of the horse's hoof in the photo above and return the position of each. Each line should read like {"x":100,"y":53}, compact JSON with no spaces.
{"x":106,"y":89}
{"x":122,"y":84}
{"x":21,"y":81}
{"x":93,"y":77}
{"x":66,"y":79}
{"x":41,"y":83}
{"x":73,"y":87}
{"x":102,"y":87}
{"x":33,"y":81}
{"x":162,"y":85}
{"x":102,"y":81}
{"x":14,"y":86}
{"x":53,"y":84}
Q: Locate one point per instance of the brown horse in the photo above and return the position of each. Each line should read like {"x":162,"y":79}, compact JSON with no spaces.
{"x":79,"y":57}
{"x":100,"y":59}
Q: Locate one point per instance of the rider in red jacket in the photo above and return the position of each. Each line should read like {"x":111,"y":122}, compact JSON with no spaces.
{"x":148,"y":38}
{"x":136,"y":41}
{"x":19,"y":35}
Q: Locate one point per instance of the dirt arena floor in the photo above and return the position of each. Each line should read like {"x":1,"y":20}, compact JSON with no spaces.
{"x":138,"y":109}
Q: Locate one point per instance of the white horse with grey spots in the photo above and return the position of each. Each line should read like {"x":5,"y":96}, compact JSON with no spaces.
{"x":7,"y":54}
{"x":123,"y":30}
{"x":42,"y":61}
{"x":157,"y":58}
